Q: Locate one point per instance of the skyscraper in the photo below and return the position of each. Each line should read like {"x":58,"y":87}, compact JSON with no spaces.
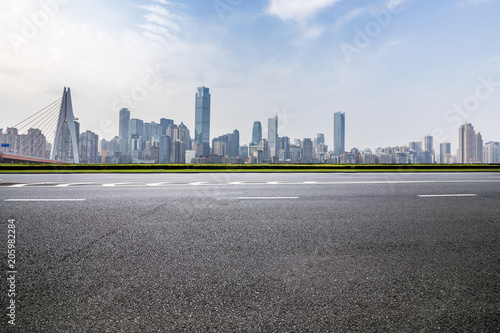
{"x":233,"y":148}
{"x":124,"y":130}
{"x":491,"y":152}
{"x":470,"y":144}
{"x":428,"y":152}
{"x":202,"y":119}
{"x":88,"y":147}
{"x":339,"y":133}
{"x":256,"y":133}
{"x":164,"y":125}
{"x":164,"y":153}
{"x":136,"y":127}
{"x":272,"y":136}
{"x":479,"y":147}
{"x":307,"y":150}
{"x":444,"y":149}
{"x":285,"y":147}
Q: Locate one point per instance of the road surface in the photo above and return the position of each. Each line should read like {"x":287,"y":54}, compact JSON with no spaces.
{"x":253,"y":252}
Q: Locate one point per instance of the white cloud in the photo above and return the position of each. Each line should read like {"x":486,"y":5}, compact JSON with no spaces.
{"x":297,"y":10}
{"x":162,"y":24}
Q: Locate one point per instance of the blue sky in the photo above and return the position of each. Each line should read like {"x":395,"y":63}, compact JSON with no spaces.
{"x":399,"y":69}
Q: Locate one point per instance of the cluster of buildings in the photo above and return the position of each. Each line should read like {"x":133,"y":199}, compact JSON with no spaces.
{"x":36,"y":145}
{"x":166,"y":142}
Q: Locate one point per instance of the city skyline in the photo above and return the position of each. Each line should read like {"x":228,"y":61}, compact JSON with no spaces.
{"x":400,"y":76}
{"x":143,"y":142}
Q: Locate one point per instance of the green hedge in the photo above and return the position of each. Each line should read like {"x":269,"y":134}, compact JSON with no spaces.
{"x":243,"y":167}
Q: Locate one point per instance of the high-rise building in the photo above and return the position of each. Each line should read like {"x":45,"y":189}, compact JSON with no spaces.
{"x":89,"y":142}
{"x":285,"y":146}
{"x":318,"y":144}
{"x":243,"y":152}
{"x":491,"y":152}
{"x":470,"y":145}
{"x":272,"y":136}
{"x":164,"y":153}
{"x":307,"y":150}
{"x":256,"y":133}
{"x":202,"y":118}
{"x":428,"y":150}
{"x":164,"y":125}
{"x":178,"y":155}
{"x":136,"y":127}
{"x":479,"y":147}
{"x":124,"y":130}
{"x":182,"y":133}
{"x":339,"y":133}
{"x":155,"y":129}
{"x":220,"y":148}
{"x":233,"y":148}
{"x":417,"y":148}
{"x":264,"y":148}
{"x":444,"y":149}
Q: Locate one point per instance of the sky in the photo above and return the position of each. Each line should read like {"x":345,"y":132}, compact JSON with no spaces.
{"x":399,"y":69}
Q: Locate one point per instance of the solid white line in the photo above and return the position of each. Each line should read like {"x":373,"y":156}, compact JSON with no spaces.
{"x":310,"y":182}
{"x":43,"y":200}
{"x":197,"y":183}
{"x":266,"y":198}
{"x":446,"y":195}
{"x":272,"y":183}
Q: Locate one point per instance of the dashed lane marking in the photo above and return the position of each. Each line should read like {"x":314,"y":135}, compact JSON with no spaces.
{"x":446,"y":195}
{"x":43,"y":200}
{"x":266,"y":198}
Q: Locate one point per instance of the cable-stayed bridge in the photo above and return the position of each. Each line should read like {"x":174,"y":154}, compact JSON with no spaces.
{"x":48,"y":136}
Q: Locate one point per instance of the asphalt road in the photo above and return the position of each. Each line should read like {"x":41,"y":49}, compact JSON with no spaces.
{"x":253,"y":252}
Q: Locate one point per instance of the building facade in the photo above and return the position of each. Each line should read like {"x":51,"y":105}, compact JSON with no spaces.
{"x":202,"y":118}
{"x":339,"y":133}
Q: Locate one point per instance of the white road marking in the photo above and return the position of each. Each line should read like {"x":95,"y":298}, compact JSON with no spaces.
{"x":446,"y":195}
{"x":266,"y":198}
{"x":158,"y":184}
{"x":375,"y":182}
{"x":31,"y":184}
{"x":42,"y":200}
{"x":73,"y":184}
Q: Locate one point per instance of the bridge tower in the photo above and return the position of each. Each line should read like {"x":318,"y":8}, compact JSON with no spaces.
{"x":65,"y":147}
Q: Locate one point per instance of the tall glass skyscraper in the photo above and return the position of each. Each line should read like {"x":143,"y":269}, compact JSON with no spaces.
{"x":256,"y":133}
{"x":124,"y":130}
{"x":339,"y":133}
{"x":272,"y":136}
{"x":202,"y":119}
